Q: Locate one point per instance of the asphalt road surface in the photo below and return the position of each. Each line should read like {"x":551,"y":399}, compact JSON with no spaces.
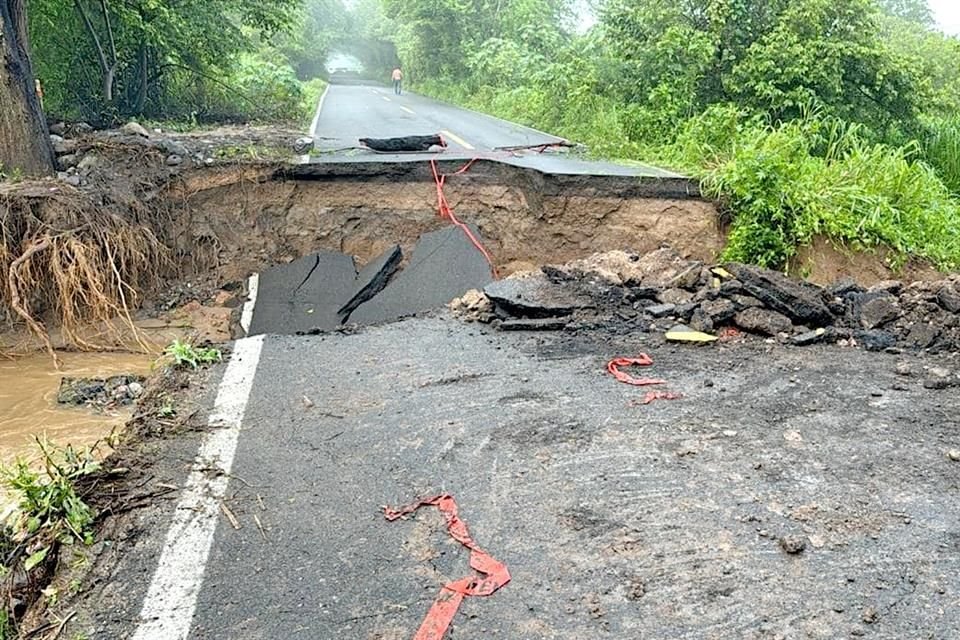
{"x":791,"y":493}
{"x":615,"y":519}
{"x":349,"y":112}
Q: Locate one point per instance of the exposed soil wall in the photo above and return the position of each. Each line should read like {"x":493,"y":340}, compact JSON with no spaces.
{"x":251,"y":218}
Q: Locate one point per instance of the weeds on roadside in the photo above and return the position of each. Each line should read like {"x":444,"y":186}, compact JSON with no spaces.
{"x":184,"y":355}
{"x":50,"y":508}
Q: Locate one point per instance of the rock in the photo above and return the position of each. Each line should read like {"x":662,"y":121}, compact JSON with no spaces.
{"x":58,"y":129}
{"x":876,"y":340}
{"x":922,"y":336}
{"x":720,"y":310}
{"x":939,"y":378}
{"x":870,"y":615}
{"x":793,"y":544}
{"x":701,"y":321}
{"x":948,"y":297}
{"x":55,"y":139}
{"x":665,"y":268}
{"x":173,"y":160}
{"x":134,"y":128}
{"x":731,"y":287}
{"x":904,"y":369}
{"x":954,"y":454}
{"x":685,"y":311}
{"x":745,"y":302}
{"x":802,"y":302}
{"x":874,"y":310}
{"x":69,"y":160}
{"x":64,"y":147}
{"x":74,"y":180}
{"x":88,"y":164}
{"x":80,"y":390}
{"x":303,"y":145}
{"x":844,"y":287}
{"x":534,"y":296}
{"x":661,"y":310}
{"x":113,"y":390}
{"x":809,"y":337}
{"x":763,"y":321}
{"x":675,"y":297}
{"x":892,"y":287}
{"x":173,"y":148}
{"x":79,"y":128}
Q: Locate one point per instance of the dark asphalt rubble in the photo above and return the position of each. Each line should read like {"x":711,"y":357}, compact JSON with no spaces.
{"x":656,"y":291}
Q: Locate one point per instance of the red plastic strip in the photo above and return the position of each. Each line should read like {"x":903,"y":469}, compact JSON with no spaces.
{"x":643,"y":360}
{"x":446,"y":212}
{"x":490,"y":577}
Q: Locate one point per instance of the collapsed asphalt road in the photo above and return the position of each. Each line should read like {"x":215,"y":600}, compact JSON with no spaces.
{"x":792,"y":493}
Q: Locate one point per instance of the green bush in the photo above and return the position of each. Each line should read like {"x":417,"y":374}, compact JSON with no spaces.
{"x":788,"y":183}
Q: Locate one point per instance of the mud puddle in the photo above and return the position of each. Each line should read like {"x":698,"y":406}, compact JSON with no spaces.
{"x":28,"y":400}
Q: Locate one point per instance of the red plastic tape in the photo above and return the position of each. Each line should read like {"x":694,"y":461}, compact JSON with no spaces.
{"x":490,"y":577}
{"x":446,"y":211}
{"x":643,"y":360}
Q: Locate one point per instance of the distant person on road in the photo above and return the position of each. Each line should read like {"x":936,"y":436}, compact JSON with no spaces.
{"x":397,"y":77}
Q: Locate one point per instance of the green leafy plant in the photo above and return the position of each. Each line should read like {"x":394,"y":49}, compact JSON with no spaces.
{"x":49,"y":506}
{"x":185,"y":355}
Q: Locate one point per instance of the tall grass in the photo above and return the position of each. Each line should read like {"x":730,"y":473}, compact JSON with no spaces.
{"x":789,"y":183}
{"x":941,"y":150}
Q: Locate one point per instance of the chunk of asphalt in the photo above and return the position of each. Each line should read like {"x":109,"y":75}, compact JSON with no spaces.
{"x":445,"y":264}
{"x":800,"y":301}
{"x":372,"y":279}
{"x":535,"y":296}
{"x":304,"y":295}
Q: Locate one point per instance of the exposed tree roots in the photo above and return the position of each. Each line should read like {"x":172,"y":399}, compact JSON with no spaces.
{"x":72,"y":262}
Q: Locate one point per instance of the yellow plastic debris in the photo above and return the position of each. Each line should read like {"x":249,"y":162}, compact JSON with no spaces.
{"x":683,"y":334}
{"x":723,"y":273}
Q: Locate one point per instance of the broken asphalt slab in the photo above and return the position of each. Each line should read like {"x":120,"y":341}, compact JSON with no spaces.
{"x":317,"y":291}
{"x":445,"y":264}
{"x":535,"y":296}
{"x":800,"y":301}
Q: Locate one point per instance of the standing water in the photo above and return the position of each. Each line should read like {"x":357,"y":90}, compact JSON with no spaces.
{"x":28,"y":400}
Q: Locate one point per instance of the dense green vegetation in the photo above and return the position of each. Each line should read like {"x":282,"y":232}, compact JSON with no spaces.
{"x":190,"y":60}
{"x":804,"y":117}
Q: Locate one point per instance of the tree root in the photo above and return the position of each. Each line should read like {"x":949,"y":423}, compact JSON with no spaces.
{"x":16,"y":302}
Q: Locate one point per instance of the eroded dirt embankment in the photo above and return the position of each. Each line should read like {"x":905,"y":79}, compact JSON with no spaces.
{"x":251,"y":217}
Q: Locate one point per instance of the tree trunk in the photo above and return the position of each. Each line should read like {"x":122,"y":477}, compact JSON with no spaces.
{"x":24,"y":139}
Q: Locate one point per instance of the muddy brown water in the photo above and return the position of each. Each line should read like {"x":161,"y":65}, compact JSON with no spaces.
{"x":28,"y":400}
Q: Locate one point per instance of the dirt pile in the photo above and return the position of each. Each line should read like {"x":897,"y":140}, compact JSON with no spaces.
{"x":661,"y":289}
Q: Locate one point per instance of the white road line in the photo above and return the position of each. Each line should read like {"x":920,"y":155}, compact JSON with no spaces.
{"x":408,"y":110}
{"x":246,"y":317}
{"x":168,"y":610}
{"x":316,"y":117}
{"x":460,"y":141}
